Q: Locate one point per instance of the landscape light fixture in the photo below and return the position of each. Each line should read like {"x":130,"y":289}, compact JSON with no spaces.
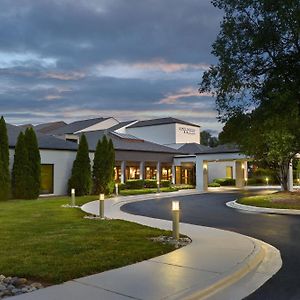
{"x":117,"y":189}
{"x":72,"y":197}
{"x":101,"y":206}
{"x":246,"y":181}
{"x":175,"y":213}
{"x":158,"y":186}
{"x":267,"y":180}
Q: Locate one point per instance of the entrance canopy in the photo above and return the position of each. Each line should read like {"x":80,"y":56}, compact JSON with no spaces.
{"x":216,"y":155}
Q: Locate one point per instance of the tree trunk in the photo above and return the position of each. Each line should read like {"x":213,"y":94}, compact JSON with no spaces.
{"x":283,"y":175}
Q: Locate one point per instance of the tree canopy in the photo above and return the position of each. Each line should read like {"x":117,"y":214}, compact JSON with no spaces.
{"x":256,"y":81}
{"x":258,"y":52}
{"x":207,"y":139}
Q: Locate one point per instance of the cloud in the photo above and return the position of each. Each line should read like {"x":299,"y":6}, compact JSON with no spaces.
{"x":102,"y":57}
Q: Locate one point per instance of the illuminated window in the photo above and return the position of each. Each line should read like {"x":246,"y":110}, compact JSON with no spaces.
{"x":229,"y":172}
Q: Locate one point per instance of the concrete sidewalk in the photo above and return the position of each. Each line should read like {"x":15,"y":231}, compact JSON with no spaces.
{"x":217,"y":265}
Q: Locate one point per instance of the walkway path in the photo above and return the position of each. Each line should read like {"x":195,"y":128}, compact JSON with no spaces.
{"x":216,"y":264}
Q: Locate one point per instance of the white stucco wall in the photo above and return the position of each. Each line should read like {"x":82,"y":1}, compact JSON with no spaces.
{"x":62,"y":161}
{"x":218,"y":169}
{"x":160,"y":134}
{"x":187,"y":134}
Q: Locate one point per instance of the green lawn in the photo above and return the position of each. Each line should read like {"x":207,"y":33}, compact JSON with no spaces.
{"x":42,"y":241}
{"x":290,"y":200}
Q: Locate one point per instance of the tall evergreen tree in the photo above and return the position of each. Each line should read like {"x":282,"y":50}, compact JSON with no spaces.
{"x":103,"y":169}
{"x":34,"y":159}
{"x":81,"y":171}
{"x":4,"y":162}
{"x":21,"y":170}
{"x":111,"y":166}
{"x":98,"y":169}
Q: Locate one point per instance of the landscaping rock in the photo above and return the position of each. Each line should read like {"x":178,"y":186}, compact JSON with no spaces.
{"x":183,"y":241}
{"x":12,"y":286}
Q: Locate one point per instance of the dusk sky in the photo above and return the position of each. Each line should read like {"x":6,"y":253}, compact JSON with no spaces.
{"x":134,"y":59}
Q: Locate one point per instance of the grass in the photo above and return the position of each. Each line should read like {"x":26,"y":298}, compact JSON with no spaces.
{"x":287,"y":200}
{"x":42,"y":241}
{"x":147,"y":191}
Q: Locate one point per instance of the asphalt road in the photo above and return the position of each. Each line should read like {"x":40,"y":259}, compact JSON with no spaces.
{"x":209,"y":209}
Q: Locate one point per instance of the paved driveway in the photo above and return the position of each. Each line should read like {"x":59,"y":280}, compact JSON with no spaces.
{"x":209,"y":209}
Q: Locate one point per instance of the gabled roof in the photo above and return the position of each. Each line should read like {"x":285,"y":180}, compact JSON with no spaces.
{"x":44,"y":141}
{"x":48,"y":127}
{"x":120,"y":125}
{"x":77,"y":126}
{"x":161,"y":121}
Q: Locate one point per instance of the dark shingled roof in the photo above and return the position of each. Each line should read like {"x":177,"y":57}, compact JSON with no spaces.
{"x":120,"y":125}
{"x":227,"y":148}
{"x":48,"y":127}
{"x":76,"y":126}
{"x":44,"y":141}
{"x":126,"y":143}
{"x":192,"y":148}
{"x":161,"y":121}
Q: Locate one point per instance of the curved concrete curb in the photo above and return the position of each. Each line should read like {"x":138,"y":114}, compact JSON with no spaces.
{"x":266,"y":210}
{"x":226,"y":280}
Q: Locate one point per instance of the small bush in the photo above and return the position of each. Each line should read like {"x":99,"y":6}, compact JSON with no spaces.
{"x":134,"y":184}
{"x":121,"y":186}
{"x":214,"y":184}
{"x":150,"y":183}
{"x":225,"y":181}
{"x":165,"y":183}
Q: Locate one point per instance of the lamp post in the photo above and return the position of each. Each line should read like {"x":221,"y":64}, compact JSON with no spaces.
{"x":175,"y":213}
{"x":117,"y":189}
{"x":72,"y":197}
{"x":158,"y":186}
{"x":101,"y":206}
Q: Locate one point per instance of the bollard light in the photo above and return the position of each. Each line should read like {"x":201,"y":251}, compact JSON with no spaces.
{"x":101,"y":206}
{"x":246,"y":181}
{"x":117,"y":189}
{"x":175,"y":214}
{"x":267,"y":180}
{"x":72,"y":197}
{"x":158,"y":187}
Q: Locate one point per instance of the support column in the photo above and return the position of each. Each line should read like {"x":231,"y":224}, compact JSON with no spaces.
{"x":290,"y":177}
{"x":123,"y":171}
{"x":142,"y":170}
{"x":158,"y":170}
{"x":239,"y":174}
{"x":201,"y":175}
{"x":245,"y":169}
{"x":173,"y":174}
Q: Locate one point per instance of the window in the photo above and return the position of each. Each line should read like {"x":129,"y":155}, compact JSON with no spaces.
{"x":47,"y":176}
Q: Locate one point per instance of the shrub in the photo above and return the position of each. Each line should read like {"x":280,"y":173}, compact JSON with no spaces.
{"x":225,"y":181}
{"x":121,"y":186}
{"x":214,"y":184}
{"x":134,"y":184}
{"x":165,"y":183}
{"x":150,"y":183}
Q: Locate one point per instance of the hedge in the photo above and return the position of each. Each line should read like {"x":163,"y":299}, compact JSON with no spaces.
{"x":214,"y":184}
{"x":225,"y":181}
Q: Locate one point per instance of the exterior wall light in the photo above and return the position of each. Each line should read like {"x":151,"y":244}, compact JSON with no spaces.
{"x":101,"y":206}
{"x":72,"y":197}
{"x":175,"y":214}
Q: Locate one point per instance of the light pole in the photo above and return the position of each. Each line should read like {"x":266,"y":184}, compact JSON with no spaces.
{"x":175,"y":213}
{"x":72,"y":197}
{"x":101,"y":206}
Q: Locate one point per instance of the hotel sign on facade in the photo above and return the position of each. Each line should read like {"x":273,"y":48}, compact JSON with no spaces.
{"x":187,"y":130}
